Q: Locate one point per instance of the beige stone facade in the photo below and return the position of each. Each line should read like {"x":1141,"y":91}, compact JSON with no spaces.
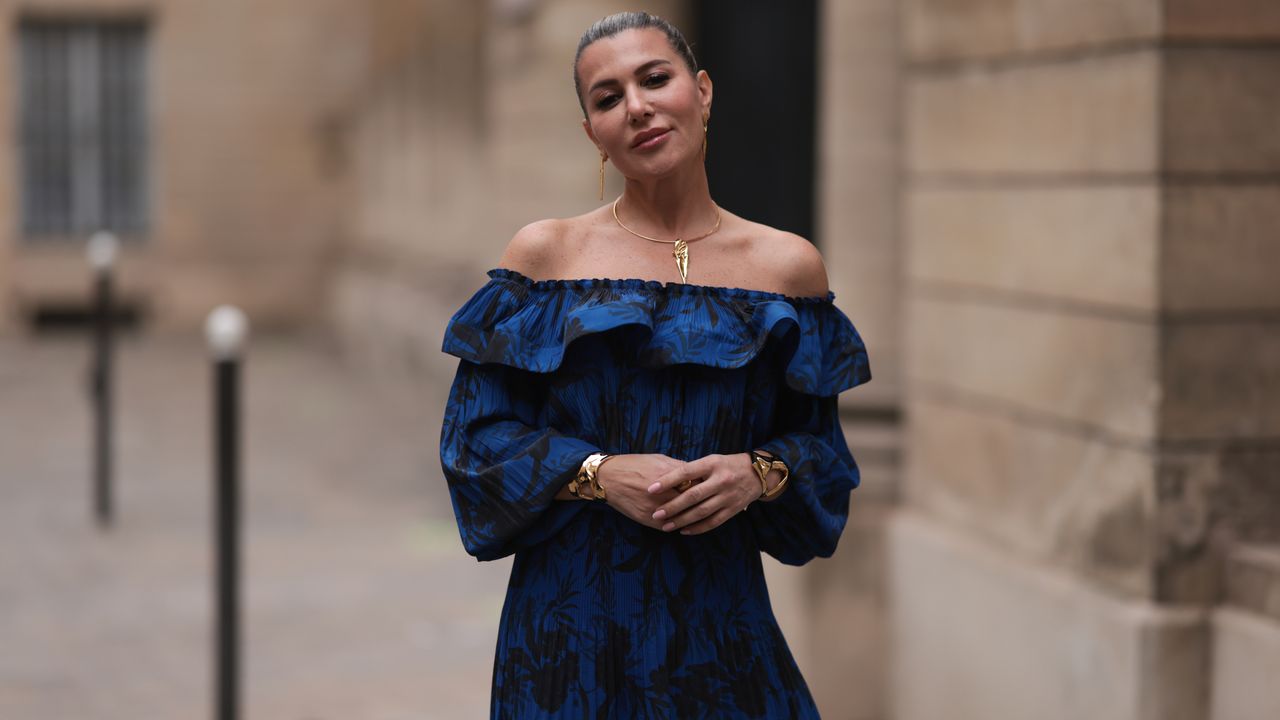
{"x":1053,"y":222}
{"x":244,"y":165}
{"x":1091,"y":359}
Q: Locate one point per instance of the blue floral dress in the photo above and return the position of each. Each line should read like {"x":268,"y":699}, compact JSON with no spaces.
{"x":606,"y":618}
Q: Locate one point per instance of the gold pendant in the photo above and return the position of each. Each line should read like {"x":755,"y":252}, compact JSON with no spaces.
{"x":681,"y":254}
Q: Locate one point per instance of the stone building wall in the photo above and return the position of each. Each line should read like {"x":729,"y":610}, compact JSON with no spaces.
{"x":1092,"y":370}
{"x":245,"y":174}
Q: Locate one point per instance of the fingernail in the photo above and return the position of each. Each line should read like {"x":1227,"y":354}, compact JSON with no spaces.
{"x":660,"y":514}
{"x":670,"y":526}
{"x":655,"y":487}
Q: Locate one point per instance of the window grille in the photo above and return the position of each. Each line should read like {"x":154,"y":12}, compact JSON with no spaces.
{"x":83,"y":128}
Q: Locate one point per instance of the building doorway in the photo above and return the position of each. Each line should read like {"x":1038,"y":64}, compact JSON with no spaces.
{"x":762,"y":57}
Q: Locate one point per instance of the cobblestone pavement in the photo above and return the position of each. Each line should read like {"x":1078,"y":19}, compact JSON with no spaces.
{"x":359,"y":602}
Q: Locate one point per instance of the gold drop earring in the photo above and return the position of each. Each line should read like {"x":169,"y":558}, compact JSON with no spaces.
{"x":603,"y":157}
{"x":705,"y":118}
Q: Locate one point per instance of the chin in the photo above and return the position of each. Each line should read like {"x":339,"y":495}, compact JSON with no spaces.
{"x":658,"y":166}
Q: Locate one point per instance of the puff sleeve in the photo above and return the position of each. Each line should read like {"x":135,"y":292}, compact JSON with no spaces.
{"x":806,"y":520}
{"x":504,"y":470}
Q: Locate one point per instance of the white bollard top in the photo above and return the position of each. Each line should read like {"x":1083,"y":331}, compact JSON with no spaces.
{"x":226,"y":329}
{"x":103,"y":246}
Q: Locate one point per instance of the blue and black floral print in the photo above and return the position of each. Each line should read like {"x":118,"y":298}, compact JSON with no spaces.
{"x":606,"y":618}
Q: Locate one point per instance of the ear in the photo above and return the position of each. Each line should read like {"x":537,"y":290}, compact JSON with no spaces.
{"x":703,"y":81}
{"x":586,"y":127}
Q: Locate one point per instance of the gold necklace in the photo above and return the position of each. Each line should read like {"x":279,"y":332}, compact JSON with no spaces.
{"x":681,"y":250}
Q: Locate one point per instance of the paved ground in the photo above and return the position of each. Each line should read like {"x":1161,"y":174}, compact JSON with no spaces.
{"x":360,"y":603}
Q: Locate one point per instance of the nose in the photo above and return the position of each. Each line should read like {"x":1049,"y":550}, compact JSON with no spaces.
{"x":638,"y":107}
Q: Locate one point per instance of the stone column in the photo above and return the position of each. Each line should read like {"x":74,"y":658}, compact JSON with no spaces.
{"x":842,"y":650}
{"x":1093,"y":355}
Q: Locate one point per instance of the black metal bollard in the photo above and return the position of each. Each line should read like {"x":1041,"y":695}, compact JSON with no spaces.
{"x":225,"y":330}
{"x":102,"y":254}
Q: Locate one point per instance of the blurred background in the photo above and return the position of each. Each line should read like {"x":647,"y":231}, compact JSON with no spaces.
{"x":1053,"y":221}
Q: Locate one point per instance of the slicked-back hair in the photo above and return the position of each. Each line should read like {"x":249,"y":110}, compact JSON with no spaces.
{"x":618,"y":22}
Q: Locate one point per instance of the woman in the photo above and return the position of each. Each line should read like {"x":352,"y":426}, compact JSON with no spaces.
{"x":637,"y":417}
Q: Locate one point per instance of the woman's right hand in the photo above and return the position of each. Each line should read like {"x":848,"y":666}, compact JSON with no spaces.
{"x":626,"y":480}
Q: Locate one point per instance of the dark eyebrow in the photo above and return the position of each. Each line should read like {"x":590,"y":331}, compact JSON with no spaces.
{"x":639,"y":71}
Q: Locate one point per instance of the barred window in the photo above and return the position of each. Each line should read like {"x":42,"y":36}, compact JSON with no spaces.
{"x":83,"y":130}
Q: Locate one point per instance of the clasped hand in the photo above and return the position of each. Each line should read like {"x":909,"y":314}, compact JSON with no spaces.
{"x":646,"y":488}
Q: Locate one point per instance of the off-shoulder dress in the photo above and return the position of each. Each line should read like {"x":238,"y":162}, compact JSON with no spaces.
{"x":605,"y":617}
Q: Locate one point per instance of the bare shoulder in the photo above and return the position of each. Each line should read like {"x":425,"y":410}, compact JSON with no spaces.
{"x":543,"y":249}
{"x":803,"y":269}
{"x":535,"y":248}
{"x":796,"y":262}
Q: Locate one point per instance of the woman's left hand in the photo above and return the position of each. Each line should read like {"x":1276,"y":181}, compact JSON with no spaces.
{"x":723,"y":486}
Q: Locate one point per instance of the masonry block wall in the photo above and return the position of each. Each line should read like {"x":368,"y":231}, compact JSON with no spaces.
{"x":1092,"y":355}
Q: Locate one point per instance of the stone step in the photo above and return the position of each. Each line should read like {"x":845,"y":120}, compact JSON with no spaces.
{"x":1253,"y":579}
{"x":876,"y":444}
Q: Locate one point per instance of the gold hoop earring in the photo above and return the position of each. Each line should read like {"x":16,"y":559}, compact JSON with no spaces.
{"x":603,"y":157}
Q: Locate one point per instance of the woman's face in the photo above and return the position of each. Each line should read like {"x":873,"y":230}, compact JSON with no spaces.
{"x":644,"y":108}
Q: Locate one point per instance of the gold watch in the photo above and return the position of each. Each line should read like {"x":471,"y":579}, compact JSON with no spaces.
{"x":588,"y":477}
{"x":763,"y":464}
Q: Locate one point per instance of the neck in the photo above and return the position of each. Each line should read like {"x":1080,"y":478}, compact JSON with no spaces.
{"x":676,"y":205}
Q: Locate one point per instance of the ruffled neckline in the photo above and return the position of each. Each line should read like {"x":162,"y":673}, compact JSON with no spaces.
{"x":531,"y":324}
{"x":656,"y":286}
